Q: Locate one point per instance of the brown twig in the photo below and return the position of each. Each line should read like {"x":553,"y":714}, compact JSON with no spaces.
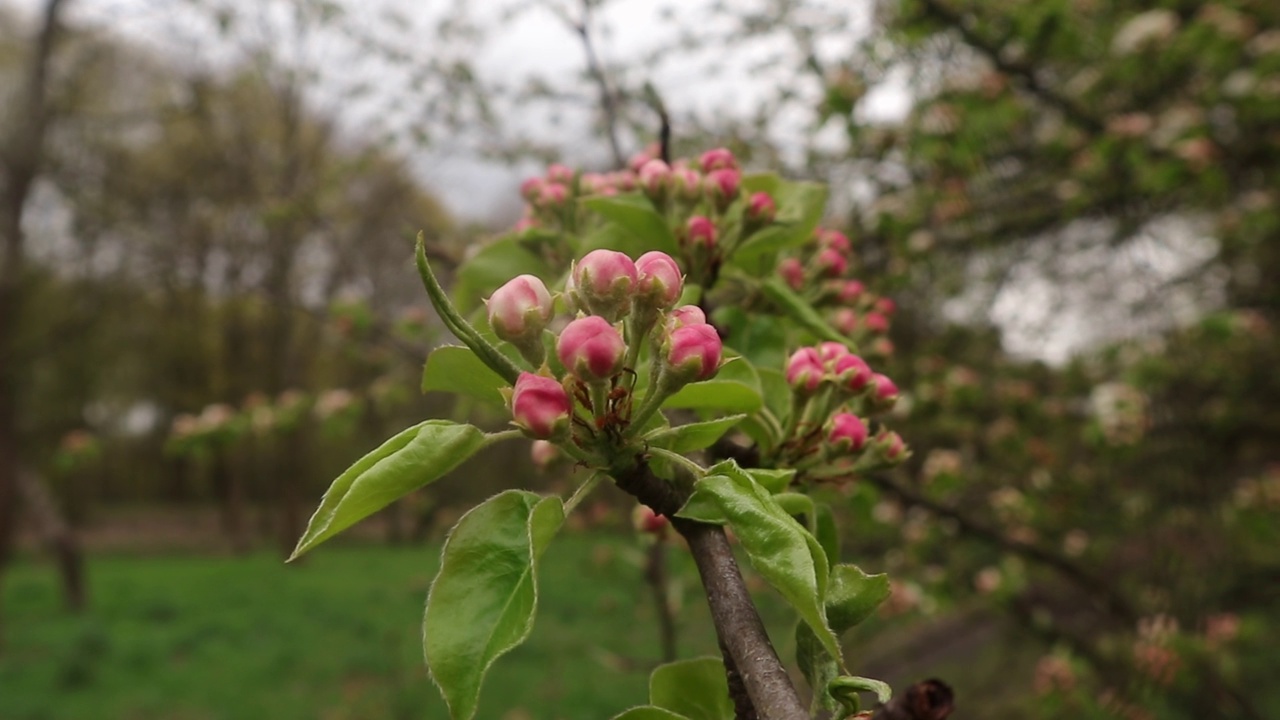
{"x":928,"y":699}
{"x":748,"y":652}
{"x":655,"y":574}
{"x":608,"y":100}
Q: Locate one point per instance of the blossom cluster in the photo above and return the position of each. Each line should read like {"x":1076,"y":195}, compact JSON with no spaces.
{"x":823,"y":272}
{"x":835,"y":393}
{"x":585,"y":391}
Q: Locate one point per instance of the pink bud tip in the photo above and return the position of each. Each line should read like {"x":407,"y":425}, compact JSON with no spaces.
{"x":655,"y":175}
{"x":645,"y":520}
{"x":885,"y":393}
{"x":886,"y":306}
{"x":605,"y":279}
{"x":591,"y":349}
{"x":875,"y":322}
{"x":832,"y":351}
{"x":595,"y":183}
{"x":793,"y":272}
{"x":701,"y":231}
{"x":852,"y":373}
{"x":846,"y":321}
{"x":851,"y":291}
{"x":531,"y":189}
{"x":658,"y":279}
{"x":687,"y":315}
{"x":552,"y":194}
{"x":560,"y":174}
{"x":831,"y":263}
{"x":718,"y":159}
{"x":519,"y":309}
{"x":761,"y":208}
{"x":834,"y":240}
{"x":847,"y":433}
{"x":544,"y":454}
{"x":722,"y":185}
{"x":687,"y":183}
{"x":693,"y":352}
{"x":891,"y":446}
{"x":805,"y":370}
{"x":540,"y":406}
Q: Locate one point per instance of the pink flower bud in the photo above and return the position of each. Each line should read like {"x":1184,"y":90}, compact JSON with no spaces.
{"x":687,"y":184}
{"x":560,"y":174}
{"x":886,"y":307}
{"x":890,"y":447}
{"x":852,"y":373}
{"x":851,"y":291}
{"x":882,"y":347}
{"x":830,"y":352}
{"x":645,"y":520}
{"x":805,"y":370}
{"x":544,"y":454}
{"x":595,"y":184}
{"x":846,"y":321}
{"x":686,"y":315}
{"x":846,"y":433}
{"x":793,"y":272}
{"x":658,"y":279}
{"x":718,"y":159}
{"x":875,"y":322}
{"x":831,"y":263}
{"x":591,"y":349}
{"x":700,"y":231}
{"x":693,"y":353}
{"x":623,"y":181}
{"x":834,"y":240}
{"x":604,"y":281}
{"x":552,"y":195}
{"x":885,"y":394}
{"x":638,"y":160}
{"x":722,"y":186}
{"x":520,"y":309}
{"x":761,"y":209}
{"x":655,"y":178}
{"x":525,"y":225}
{"x":540,"y":406}
{"x":531,"y":189}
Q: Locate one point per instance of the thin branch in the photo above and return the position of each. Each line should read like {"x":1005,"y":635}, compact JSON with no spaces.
{"x":1096,"y":587}
{"x":655,"y":574}
{"x":608,"y":100}
{"x":748,"y":652}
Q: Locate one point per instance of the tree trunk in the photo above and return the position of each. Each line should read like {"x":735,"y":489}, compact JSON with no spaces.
{"x":57,"y":535}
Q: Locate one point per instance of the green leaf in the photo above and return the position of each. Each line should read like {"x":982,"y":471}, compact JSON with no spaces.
{"x":694,"y":436}
{"x":457,"y":369}
{"x":798,"y":309}
{"x":635,"y":213}
{"x":828,"y":537}
{"x":817,"y":667}
{"x":696,"y":689}
{"x":845,"y":690}
{"x":853,"y":595}
{"x":773,"y":480}
{"x":415,"y":457}
{"x":797,"y":505}
{"x":779,"y":548}
{"x":736,"y":388}
{"x":494,"y":265}
{"x":483,"y":599}
{"x":648,"y":712}
{"x":800,"y":208}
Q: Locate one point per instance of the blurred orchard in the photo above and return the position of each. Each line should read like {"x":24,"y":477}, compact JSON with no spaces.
{"x":1054,"y":223}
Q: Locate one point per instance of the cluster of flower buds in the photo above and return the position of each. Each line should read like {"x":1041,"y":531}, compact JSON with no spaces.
{"x":822,"y":273}
{"x":703,"y":200}
{"x":622,"y":308}
{"x":835,"y":391}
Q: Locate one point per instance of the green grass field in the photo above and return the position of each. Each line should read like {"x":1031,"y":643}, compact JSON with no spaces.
{"x":335,"y":637}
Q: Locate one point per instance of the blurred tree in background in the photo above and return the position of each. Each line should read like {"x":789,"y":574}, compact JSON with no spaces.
{"x":1077,"y":217}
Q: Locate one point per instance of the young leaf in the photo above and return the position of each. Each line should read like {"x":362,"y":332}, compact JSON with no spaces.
{"x":797,"y":505}
{"x":695,"y":689}
{"x":648,"y":712}
{"x":694,"y":436}
{"x":845,"y":690}
{"x":483,"y":599}
{"x":853,"y":595}
{"x":782,"y":551}
{"x":801,"y":311}
{"x":636,"y":214}
{"x":716,"y":394}
{"x":828,"y":536}
{"x":817,"y":667}
{"x":413,"y":458}
{"x":457,"y":369}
